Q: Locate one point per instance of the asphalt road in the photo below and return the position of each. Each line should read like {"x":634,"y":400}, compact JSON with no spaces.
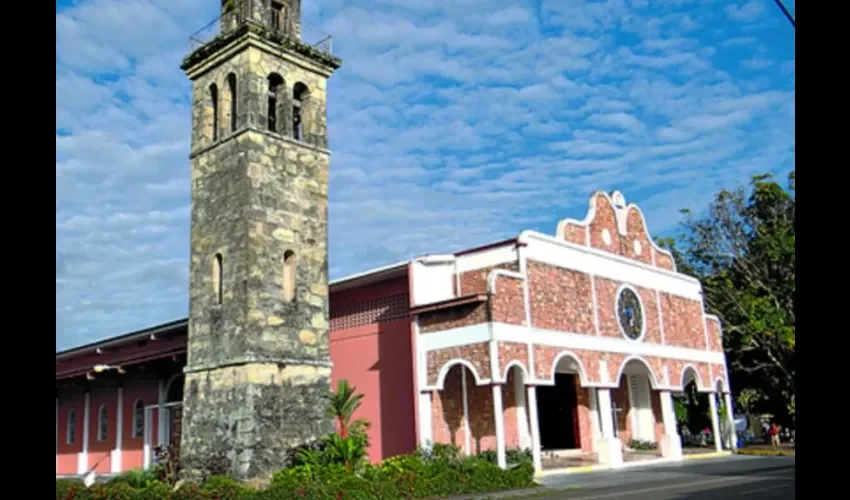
{"x":751,"y":478}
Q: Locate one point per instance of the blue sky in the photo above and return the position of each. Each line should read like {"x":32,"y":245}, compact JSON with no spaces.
{"x":452,"y":124}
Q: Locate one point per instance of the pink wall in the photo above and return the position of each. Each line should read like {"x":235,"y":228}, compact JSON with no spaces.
{"x":374,"y":354}
{"x":99,"y":451}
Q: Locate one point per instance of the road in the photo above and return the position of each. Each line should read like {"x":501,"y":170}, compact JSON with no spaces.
{"x":744,"y":477}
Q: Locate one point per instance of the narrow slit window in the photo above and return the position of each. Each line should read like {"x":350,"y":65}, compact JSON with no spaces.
{"x":231,"y":87}
{"x":216,"y":277}
{"x":71,"y":427}
{"x":288,"y":276}
{"x":214,"y":108}
{"x":102,"y":423}
{"x":138,"y":418}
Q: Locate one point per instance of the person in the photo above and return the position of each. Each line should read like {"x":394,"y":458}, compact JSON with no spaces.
{"x":774,"y":435}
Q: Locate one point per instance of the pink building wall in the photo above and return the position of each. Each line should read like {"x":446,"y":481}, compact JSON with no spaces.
{"x":370,"y":347}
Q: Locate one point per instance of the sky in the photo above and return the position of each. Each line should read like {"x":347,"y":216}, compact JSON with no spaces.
{"x":451,"y":124}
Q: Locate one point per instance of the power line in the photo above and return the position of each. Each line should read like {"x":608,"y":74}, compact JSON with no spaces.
{"x":787,"y":14}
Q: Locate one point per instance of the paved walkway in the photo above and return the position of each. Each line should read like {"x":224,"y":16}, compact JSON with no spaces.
{"x":728,"y":477}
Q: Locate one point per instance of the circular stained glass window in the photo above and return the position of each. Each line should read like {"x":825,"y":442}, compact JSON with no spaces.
{"x":629,"y":314}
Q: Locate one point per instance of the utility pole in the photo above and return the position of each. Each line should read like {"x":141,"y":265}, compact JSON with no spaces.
{"x":786,"y":12}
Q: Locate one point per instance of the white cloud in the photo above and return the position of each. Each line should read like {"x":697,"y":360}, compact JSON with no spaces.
{"x":749,"y":11}
{"x":451,"y":125}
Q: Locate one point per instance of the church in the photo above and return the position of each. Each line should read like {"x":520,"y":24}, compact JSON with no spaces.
{"x":570,"y":343}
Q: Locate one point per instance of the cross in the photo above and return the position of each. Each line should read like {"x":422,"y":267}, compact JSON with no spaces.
{"x":614,"y":411}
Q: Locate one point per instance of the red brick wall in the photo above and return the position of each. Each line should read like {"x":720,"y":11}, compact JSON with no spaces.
{"x":509,"y":403}
{"x":512,"y":351}
{"x":715,"y":341}
{"x":477,"y":354}
{"x":575,"y":233}
{"x":544,"y":359}
{"x":475,"y":281}
{"x":482,"y":426}
{"x":584,"y":420}
{"x":508,"y":305}
{"x":683,"y":321}
{"x":655,"y":398}
{"x":455,"y":317}
{"x":560,"y":299}
{"x":447,"y":410}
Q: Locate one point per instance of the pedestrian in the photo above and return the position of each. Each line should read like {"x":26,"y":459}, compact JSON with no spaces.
{"x":774,"y":435}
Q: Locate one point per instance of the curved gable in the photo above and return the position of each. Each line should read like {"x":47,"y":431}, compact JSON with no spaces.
{"x":613,"y":226}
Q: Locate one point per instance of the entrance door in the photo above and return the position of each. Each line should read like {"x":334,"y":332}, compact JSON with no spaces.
{"x":557,"y":413}
{"x":640,"y":399}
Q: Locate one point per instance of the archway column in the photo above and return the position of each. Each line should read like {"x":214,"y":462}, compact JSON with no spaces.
{"x":609,"y":446}
{"x":671,"y":443}
{"x":535,"y":427}
{"x":715,"y":422}
{"x":499,"y":416}
{"x":730,"y":420}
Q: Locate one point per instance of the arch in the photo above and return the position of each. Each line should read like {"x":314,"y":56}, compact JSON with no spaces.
{"x":579,"y":367}
{"x":720,"y":386}
{"x":688,"y":373}
{"x":173,"y":393}
{"x":275,"y":96}
{"x":138,"y":418}
{"x":515,"y":363}
{"x":288,"y":281}
{"x":231,"y":90}
{"x":653,"y":382}
{"x":626,"y":286}
{"x":217,"y":274}
{"x":71,"y":427}
{"x":441,"y":375}
{"x":300,"y":120}
{"x":213,"y":120}
{"x":102,"y":423}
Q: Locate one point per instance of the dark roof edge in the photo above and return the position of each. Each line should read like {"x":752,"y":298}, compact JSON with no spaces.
{"x":163,"y":329}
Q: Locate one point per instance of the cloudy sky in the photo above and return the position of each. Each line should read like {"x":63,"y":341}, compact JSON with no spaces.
{"x":452,"y":123}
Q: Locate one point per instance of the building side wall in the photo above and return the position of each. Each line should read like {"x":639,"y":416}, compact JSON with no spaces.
{"x":370,"y":347}
{"x":100,"y":452}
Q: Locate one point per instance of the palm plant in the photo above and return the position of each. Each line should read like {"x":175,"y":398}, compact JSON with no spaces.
{"x":344,"y":402}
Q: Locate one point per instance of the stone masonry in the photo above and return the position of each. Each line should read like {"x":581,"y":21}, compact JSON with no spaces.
{"x":258,"y":362}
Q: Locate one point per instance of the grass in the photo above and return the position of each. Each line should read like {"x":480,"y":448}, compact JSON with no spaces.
{"x":767,"y":452}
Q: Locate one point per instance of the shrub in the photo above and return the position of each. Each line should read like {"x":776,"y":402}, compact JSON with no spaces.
{"x":137,"y":478}
{"x":637,"y":444}
{"x":71,"y":489}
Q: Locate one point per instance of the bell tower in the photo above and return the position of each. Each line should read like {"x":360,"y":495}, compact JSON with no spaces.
{"x":258,"y":352}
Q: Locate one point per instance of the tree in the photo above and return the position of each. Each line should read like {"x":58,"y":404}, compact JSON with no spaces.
{"x":743,"y":252}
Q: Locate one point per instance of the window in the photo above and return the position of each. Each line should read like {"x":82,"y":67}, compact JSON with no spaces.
{"x":216,"y":278}
{"x":214,"y":108}
{"x":231,"y":88}
{"x":299,"y":95}
{"x":71,"y":427}
{"x":275,"y":82}
{"x":278,"y":18}
{"x":138,"y":418}
{"x":288,"y":276}
{"x":102,"y":423}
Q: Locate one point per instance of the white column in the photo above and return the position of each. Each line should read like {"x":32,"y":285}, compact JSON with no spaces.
{"x":521,"y":413}
{"x":467,"y":434}
{"x":119,"y":432}
{"x":146,"y":454}
{"x":730,"y":417}
{"x":671,"y":443}
{"x":535,"y":428}
{"x":499,"y":416}
{"x":83,"y":456}
{"x":160,"y":414}
{"x":715,"y":424}
{"x":425,"y":425}
{"x":610,"y":448}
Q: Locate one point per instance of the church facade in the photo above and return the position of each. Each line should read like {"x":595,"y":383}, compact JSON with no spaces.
{"x":572,"y":341}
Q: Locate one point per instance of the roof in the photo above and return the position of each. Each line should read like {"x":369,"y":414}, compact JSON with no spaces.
{"x":339,"y":284}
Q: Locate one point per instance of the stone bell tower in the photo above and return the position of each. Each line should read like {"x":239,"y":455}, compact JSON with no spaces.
{"x":258,"y":351}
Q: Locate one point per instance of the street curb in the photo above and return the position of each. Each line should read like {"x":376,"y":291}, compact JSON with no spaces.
{"x":628,"y":465}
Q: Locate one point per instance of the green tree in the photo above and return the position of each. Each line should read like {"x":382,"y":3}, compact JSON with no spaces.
{"x":743,"y":251}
